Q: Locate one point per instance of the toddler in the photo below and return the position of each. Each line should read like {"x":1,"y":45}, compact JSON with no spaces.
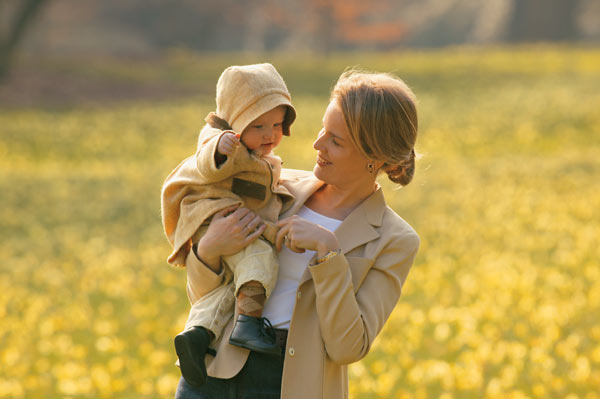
{"x":234,"y":165}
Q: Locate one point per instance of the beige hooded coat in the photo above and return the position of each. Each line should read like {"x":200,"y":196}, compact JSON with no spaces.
{"x":197,"y":189}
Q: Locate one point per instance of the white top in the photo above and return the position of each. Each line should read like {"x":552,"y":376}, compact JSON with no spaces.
{"x":280,"y":305}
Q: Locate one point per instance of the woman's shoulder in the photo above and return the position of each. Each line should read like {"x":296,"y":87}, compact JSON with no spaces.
{"x":390,"y":226}
{"x":398,"y":229}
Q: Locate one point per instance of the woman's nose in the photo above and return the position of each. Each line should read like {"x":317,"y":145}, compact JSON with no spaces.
{"x":317,"y":144}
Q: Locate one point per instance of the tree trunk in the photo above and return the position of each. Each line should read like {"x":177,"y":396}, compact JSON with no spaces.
{"x":543,"y":20}
{"x":24,"y":16}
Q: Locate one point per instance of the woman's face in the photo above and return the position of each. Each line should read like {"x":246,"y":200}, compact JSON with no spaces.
{"x":338,"y":162}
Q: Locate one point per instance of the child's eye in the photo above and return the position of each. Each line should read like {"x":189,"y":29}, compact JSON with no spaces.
{"x":257,"y":126}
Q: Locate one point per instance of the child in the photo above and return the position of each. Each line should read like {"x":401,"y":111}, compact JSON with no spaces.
{"x":234,"y":165}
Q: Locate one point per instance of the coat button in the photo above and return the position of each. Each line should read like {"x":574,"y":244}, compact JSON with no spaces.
{"x":292,"y":352}
{"x":299,"y":295}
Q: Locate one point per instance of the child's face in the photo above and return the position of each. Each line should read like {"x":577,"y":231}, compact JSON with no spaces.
{"x":265,"y":132}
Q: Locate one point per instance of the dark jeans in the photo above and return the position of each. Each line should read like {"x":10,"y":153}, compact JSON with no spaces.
{"x":260,"y":378}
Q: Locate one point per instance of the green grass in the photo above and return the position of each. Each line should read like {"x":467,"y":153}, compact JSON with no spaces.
{"x":502,"y":300}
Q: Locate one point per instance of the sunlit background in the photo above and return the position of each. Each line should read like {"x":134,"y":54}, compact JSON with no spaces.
{"x":100,"y":100}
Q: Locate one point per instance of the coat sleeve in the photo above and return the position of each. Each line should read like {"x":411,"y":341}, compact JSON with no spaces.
{"x":201,"y":279}
{"x":185,"y":204}
{"x":350,"y":321}
{"x":209,"y":171}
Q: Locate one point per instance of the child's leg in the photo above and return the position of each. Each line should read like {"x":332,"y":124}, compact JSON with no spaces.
{"x":213,"y":310}
{"x":191,"y":347}
{"x":251,"y":294}
{"x":206,"y":321}
{"x":251,"y":299}
{"x":255,"y":274}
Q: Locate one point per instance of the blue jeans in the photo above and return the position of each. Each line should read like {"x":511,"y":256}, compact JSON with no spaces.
{"x":260,"y":378}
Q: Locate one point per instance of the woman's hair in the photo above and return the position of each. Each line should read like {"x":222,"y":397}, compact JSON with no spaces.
{"x":381,"y":114}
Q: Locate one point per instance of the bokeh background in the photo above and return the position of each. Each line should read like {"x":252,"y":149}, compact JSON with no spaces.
{"x":100,"y":100}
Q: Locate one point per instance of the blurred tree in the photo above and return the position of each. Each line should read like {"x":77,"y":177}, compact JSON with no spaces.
{"x":543,"y":20}
{"x":367,"y":23}
{"x":150,"y":26}
{"x":200,"y":25}
{"x":24,"y":15}
{"x":325,"y":25}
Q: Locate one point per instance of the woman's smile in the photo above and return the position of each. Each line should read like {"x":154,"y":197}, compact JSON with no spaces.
{"x":321,"y":161}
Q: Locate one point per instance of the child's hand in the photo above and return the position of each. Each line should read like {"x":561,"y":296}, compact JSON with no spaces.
{"x":228,"y":143}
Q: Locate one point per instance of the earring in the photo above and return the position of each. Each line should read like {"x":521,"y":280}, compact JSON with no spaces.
{"x":370,"y":167}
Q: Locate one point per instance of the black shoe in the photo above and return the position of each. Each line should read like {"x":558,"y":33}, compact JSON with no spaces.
{"x":256,"y":334}
{"x":191,"y":347}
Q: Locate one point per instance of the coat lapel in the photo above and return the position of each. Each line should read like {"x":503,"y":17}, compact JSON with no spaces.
{"x":359,"y":227}
{"x":301,"y":187}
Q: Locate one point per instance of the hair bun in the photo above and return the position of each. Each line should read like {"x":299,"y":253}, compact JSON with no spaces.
{"x":403,"y":172}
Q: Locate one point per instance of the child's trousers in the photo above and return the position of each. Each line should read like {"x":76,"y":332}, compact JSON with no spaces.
{"x":256,"y":262}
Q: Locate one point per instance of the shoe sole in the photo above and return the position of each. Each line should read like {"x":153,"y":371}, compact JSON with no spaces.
{"x":254,"y":349}
{"x":191,"y":372}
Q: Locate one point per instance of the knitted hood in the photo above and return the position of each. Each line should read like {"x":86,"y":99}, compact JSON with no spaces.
{"x":246,"y":92}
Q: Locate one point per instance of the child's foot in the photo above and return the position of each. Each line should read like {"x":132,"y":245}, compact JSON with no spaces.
{"x":256,"y":334}
{"x":191,"y":347}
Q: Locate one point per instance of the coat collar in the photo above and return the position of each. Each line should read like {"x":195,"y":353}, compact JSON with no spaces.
{"x":301,"y":186}
{"x":358,"y":227}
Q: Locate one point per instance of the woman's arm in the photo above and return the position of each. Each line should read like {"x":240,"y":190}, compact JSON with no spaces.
{"x":229,"y":231}
{"x":350,"y":321}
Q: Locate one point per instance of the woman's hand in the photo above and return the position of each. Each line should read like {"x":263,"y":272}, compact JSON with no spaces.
{"x":229,"y":231}
{"x":302,"y":235}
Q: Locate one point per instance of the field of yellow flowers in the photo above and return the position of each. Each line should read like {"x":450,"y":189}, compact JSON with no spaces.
{"x":502,"y":302}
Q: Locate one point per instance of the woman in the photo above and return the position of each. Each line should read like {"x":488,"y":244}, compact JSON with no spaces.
{"x":335,"y":290}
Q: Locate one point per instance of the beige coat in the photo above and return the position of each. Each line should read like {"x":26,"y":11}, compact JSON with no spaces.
{"x":197,"y":188}
{"x":342,"y":304}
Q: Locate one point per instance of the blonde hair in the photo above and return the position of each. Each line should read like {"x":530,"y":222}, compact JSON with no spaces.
{"x":381,"y":114}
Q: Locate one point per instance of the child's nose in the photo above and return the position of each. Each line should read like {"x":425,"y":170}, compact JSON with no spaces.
{"x":270,"y":132}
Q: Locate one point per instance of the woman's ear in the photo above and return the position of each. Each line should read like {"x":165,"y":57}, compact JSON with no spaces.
{"x":374,"y":166}
{"x":378,"y":164}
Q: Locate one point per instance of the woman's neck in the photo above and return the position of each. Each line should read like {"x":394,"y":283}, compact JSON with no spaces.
{"x":336,"y":202}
